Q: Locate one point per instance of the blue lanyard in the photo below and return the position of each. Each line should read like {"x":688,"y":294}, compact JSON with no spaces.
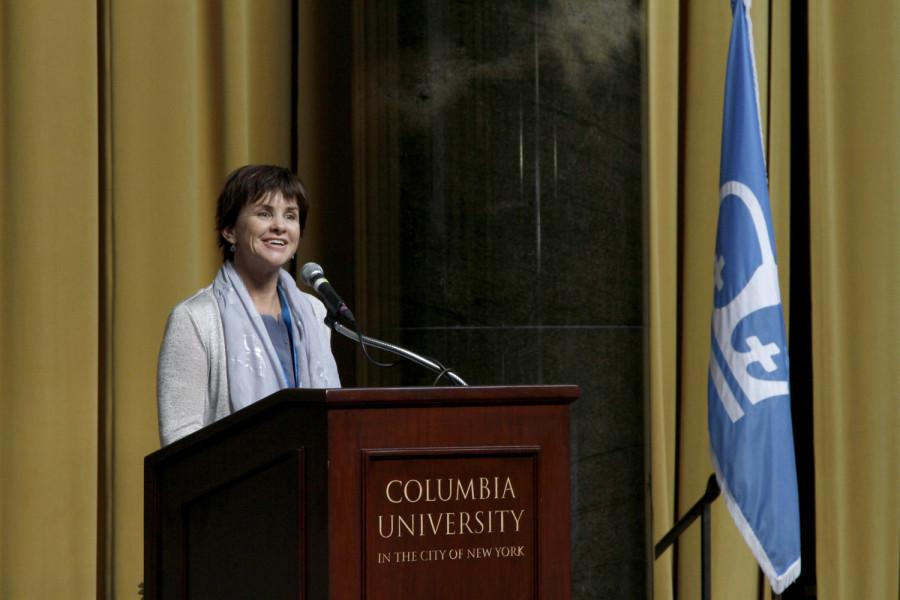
{"x":286,"y":317}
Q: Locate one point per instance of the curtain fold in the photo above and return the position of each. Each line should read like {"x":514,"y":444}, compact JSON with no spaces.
{"x":48,"y":299}
{"x":854,"y":221}
{"x":662,"y":21}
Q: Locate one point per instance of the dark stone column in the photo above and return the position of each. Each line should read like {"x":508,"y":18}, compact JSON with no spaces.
{"x":499,"y":194}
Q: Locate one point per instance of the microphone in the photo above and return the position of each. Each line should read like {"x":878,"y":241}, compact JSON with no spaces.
{"x":313,"y":276}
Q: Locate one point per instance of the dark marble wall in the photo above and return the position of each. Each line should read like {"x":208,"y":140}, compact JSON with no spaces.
{"x":504,"y":227}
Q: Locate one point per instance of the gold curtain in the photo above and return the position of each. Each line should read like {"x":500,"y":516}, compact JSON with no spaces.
{"x":119,"y":123}
{"x":48,"y":299}
{"x":662,"y":21}
{"x":854,"y":145}
{"x":855,"y":222}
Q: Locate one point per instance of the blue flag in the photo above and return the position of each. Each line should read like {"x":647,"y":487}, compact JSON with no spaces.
{"x":749,"y":399}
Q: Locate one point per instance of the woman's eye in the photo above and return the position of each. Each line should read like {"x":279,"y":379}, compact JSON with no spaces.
{"x":291,"y":216}
{"x":262,"y":213}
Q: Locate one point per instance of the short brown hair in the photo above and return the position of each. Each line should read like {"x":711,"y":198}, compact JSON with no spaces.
{"x":248,"y":184}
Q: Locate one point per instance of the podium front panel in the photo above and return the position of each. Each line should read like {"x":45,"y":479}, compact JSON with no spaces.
{"x":433,"y":516}
{"x":243,"y":544}
{"x":371,"y":450}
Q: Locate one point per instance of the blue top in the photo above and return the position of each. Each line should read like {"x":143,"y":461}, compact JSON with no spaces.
{"x":281,"y":340}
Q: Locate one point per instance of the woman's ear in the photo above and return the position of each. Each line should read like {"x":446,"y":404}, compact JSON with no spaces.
{"x":228,"y":234}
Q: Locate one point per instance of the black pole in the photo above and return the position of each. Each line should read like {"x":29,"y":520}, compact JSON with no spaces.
{"x":705,"y":572}
{"x":699,"y":509}
{"x":711,"y":493}
{"x":800,"y":341}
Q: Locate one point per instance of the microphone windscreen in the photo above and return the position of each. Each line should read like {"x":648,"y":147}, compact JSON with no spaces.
{"x":310,"y":272}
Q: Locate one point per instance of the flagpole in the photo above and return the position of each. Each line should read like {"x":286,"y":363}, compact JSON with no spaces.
{"x":699,"y":509}
{"x":706,"y":541}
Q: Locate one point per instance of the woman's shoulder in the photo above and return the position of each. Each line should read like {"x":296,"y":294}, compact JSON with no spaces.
{"x":200,"y":306}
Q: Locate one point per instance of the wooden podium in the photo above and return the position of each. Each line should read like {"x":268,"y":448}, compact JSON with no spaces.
{"x":385,"y":493}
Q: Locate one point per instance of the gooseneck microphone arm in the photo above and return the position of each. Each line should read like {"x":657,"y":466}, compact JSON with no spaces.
{"x":409,"y":355}
{"x":341,"y":319}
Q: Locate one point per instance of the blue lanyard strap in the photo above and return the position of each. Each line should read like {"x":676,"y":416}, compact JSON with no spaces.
{"x":286,"y":317}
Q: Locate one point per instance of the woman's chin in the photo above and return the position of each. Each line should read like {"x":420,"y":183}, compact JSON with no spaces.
{"x":275,"y":258}
{"x":264,"y":264}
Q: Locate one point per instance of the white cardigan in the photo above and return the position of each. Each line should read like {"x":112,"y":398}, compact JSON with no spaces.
{"x":192,"y":373}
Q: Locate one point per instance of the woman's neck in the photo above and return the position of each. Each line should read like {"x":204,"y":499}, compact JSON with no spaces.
{"x":263,"y":290}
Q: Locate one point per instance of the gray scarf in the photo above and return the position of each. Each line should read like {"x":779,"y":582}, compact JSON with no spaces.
{"x":254,"y":370}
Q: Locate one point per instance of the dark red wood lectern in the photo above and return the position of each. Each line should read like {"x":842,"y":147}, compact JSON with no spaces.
{"x":384,"y":493}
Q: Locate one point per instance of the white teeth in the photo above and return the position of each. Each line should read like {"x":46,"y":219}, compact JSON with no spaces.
{"x":277,"y":242}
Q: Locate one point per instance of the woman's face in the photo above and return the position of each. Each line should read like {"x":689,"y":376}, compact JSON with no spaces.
{"x":265,"y":235}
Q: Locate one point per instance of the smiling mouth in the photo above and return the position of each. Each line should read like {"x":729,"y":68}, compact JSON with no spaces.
{"x":281,"y":243}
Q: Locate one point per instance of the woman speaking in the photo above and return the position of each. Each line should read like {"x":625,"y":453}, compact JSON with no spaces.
{"x":251,"y":332}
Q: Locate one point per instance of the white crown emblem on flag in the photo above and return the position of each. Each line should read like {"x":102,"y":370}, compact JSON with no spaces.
{"x":746,"y":353}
